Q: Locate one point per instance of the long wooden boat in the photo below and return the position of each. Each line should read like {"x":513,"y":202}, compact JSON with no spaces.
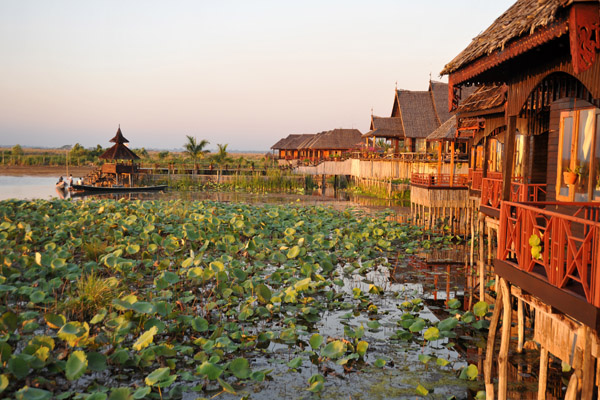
{"x":116,"y":189}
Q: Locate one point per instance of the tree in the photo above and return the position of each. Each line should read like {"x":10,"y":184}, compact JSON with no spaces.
{"x":163,"y":154}
{"x":221,"y":155}
{"x":195,"y":149}
{"x":17,"y":150}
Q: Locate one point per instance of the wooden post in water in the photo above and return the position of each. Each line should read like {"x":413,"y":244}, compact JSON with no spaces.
{"x":481,"y":263}
{"x":543,"y":377}
{"x":504,"y":341}
{"x":489,"y":352}
{"x":452,"y":163}
{"x":520,"y":325}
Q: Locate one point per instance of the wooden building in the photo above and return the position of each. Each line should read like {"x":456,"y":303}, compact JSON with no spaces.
{"x":288,"y":148}
{"x":330,"y":145}
{"x":387,"y":128}
{"x":120,"y":166}
{"x":420,"y":113}
{"x":548,"y":256}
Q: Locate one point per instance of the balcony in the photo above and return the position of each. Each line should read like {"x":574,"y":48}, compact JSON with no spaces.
{"x":552,"y":250}
{"x":439,"y":181}
{"x":491,"y":194}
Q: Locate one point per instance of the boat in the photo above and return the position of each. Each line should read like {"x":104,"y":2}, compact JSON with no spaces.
{"x":116,"y":189}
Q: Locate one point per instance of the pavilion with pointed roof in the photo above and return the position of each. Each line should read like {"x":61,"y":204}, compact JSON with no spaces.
{"x":123,"y":168}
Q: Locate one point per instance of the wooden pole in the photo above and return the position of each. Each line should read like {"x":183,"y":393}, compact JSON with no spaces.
{"x":439,"y":166}
{"x":452,"y":163}
{"x":481,"y":256}
{"x":489,"y":352}
{"x":509,"y":156}
{"x":543,"y":378}
{"x":520,"y":325}
{"x":587,"y":389}
{"x":572,"y":388}
{"x":504,"y":341}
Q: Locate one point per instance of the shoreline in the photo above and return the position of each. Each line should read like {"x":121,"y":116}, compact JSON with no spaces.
{"x":44,"y":170}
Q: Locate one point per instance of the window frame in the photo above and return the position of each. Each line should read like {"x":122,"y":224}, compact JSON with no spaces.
{"x":573,"y":161}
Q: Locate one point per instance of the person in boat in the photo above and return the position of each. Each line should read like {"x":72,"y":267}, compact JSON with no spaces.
{"x":80,"y":181}
{"x":61,"y":183}
{"x":70,"y":181}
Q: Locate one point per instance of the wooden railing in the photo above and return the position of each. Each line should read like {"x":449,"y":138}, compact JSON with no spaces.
{"x":475,"y":177}
{"x":568,"y":253}
{"x":438,"y":180}
{"x":491,"y":191}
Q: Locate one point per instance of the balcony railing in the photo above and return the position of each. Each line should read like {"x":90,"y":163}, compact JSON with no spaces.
{"x":568,"y":253}
{"x":491,"y":192}
{"x":457,"y":180}
{"x":475,"y":177}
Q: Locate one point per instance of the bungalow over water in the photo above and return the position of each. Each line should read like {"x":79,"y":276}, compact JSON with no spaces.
{"x":327,"y":145}
{"x":544,"y":131}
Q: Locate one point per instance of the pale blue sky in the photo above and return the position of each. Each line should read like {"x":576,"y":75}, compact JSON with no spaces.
{"x":244,"y":73}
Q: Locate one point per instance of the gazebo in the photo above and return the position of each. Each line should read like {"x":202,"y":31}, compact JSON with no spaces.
{"x":123,"y":166}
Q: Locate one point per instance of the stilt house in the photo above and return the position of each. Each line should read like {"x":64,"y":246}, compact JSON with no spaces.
{"x":548,"y":256}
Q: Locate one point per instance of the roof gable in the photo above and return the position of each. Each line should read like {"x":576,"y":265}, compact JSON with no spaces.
{"x":417,"y":111}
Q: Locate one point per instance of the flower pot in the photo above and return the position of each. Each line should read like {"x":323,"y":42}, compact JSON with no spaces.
{"x":570,"y":177}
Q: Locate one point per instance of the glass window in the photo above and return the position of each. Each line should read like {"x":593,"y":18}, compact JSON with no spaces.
{"x":579,"y":152}
{"x":519,"y":168}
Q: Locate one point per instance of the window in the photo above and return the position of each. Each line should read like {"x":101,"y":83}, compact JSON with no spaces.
{"x":579,"y":151}
{"x":519,"y":167}
{"x":495,"y":150}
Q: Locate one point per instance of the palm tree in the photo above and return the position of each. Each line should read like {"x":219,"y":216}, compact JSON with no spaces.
{"x":195,"y":149}
{"x":220,"y":158}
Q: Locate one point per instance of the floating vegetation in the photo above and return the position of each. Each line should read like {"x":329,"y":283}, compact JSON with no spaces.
{"x":167,"y":299}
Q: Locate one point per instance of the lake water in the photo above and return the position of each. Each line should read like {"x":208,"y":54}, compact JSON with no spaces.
{"x":27,"y":187}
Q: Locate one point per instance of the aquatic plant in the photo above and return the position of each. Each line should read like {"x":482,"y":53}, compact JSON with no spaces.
{"x":156,"y":298}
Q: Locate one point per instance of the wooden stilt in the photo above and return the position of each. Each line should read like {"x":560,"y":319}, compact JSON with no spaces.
{"x":543,"y":377}
{"x":480,"y":262}
{"x":587,"y":388}
{"x":489,"y":352}
{"x":504,"y":341}
{"x":572,"y":388}
{"x":520,"y":325}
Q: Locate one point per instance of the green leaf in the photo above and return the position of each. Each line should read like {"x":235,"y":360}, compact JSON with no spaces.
{"x":565,"y":367}
{"x":240,"y":368}
{"x":295,"y":363}
{"x":96,"y":361}
{"x":361,"y":348}
{"x":442,"y":362}
{"x":28,"y":393}
{"x":417,"y":326}
{"x":8,"y":322}
{"x":18,"y":366}
{"x":37,"y":297}
{"x":469,"y":372}
{"x":448,"y":324}
{"x":3,"y":382}
{"x":76,"y":365}
{"x":123,"y":393}
{"x":379,"y":363}
{"x":315,"y":341}
{"x":142,"y":392}
{"x":157,"y":376}
{"x":316,"y":382}
{"x":142,"y":307}
{"x":480,"y":308}
{"x":421,"y":391}
{"x":293,"y":252}
{"x":334,"y":349}
{"x":226,"y":386}
{"x":132,"y":248}
{"x":200,"y":324}
{"x":145,"y":339}
{"x":264,"y":293}
{"x":209,"y":369}
{"x":373,"y":324}
{"x":454,"y":304}
{"x":424,"y":358}
{"x":432,"y":333}
{"x":99,"y":316}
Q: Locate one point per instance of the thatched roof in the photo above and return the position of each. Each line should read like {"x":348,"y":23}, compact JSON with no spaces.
{"x":522,"y":19}
{"x":119,"y":151}
{"x":439,"y":94}
{"x":417,"y":112}
{"x":446,"y":131}
{"x":485,"y":98}
{"x":292,"y":142}
{"x":336,"y":139}
{"x":386,"y":127}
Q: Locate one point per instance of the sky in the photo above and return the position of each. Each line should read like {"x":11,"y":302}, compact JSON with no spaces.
{"x":242,"y":73}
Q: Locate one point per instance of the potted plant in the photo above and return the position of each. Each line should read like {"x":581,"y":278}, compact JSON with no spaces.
{"x":570,"y":176}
